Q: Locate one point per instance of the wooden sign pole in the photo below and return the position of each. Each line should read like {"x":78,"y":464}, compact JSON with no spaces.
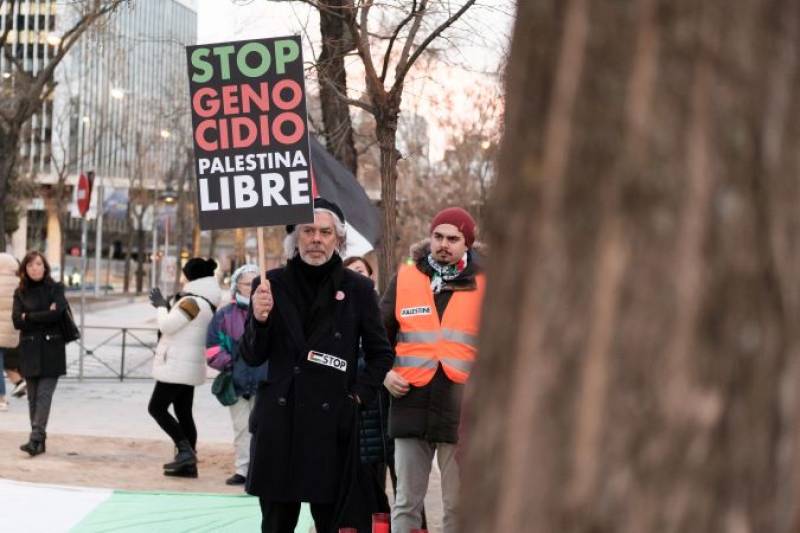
{"x":262,"y":256}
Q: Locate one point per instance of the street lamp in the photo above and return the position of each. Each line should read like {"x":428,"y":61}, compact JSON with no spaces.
{"x":117,"y":93}
{"x":165,"y":134}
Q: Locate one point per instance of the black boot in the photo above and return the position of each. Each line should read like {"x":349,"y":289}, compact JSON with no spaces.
{"x":37,"y":447}
{"x":33,"y":447}
{"x":183,"y":471}
{"x":184,"y":457}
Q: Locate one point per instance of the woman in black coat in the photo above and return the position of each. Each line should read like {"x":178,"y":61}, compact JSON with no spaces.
{"x":375,"y":447}
{"x":38,"y":311}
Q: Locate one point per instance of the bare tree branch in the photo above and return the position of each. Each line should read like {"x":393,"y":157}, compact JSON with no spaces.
{"x":9,"y":20}
{"x":363,"y":41}
{"x":393,"y":38}
{"x":350,"y":101}
{"x":401,"y":73}
{"x":412,"y":34}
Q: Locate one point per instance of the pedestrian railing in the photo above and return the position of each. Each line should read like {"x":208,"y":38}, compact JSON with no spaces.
{"x":107,"y":352}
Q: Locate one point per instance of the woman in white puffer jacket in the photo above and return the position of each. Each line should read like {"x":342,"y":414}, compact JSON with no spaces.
{"x":179,"y":364}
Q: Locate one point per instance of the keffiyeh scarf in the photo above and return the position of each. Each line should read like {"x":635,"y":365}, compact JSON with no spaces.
{"x":444,"y":273}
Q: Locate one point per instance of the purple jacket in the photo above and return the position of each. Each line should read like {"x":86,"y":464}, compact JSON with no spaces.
{"x":222,"y":343}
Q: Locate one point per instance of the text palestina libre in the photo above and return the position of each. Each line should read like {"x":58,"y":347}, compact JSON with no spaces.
{"x":251,"y":162}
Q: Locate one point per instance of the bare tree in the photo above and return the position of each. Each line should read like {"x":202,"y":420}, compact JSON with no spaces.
{"x":387,"y":57}
{"x":337,"y":42}
{"x":463,"y":176}
{"x":185,"y":204}
{"x":24,"y":92}
{"x":64,"y":160}
{"x":384,"y":96}
{"x":140,"y":202}
{"x":639,"y":349}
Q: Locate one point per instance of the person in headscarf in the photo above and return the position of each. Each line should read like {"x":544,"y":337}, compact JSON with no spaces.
{"x":222,"y":354}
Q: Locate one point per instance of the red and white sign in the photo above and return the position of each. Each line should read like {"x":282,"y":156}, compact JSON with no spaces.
{"x":84,"y":193}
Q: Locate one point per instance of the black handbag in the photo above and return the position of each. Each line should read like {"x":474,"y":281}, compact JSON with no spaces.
{"x":361,"y":494}
{"x":69,"y":330}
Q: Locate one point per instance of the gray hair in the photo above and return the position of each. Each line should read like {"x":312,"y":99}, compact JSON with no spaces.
{"x":290,"y":241}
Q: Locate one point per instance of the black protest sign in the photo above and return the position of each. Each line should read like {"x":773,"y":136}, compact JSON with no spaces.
{"x":250,"y":129}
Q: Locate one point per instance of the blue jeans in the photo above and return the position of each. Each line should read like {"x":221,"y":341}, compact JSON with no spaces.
{"x":2,"y":375}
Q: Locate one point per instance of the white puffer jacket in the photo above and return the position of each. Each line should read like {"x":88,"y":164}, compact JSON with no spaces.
{"x":9,"y":337}
{"x":180,"y":355}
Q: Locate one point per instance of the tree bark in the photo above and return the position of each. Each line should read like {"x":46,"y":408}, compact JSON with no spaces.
{"x":239,"y":236}
{"x":126,"y":281}
{"x":387,"y":262}
{"x":212,"y":244}
{"x":639,"y":350}
{"x":9,"y":148}
{"x":142,"y":253}
{"x":336,"y":43}
{"x":180,"y":230}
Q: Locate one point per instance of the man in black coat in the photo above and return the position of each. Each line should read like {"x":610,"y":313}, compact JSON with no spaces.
{"x":431,"y":311}
{"x":307,"y":321}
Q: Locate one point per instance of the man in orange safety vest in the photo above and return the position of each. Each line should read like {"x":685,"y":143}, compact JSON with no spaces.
{"x":431,"y":311}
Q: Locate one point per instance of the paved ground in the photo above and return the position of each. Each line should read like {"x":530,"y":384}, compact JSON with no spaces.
{"x":100,"y":433}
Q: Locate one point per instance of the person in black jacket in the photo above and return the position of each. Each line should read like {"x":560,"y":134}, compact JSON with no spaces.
{"x":307,"y":320}
{"x":375,"y":447}
{"x":38,"y":312}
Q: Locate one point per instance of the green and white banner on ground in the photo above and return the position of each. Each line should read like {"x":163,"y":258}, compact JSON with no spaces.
{"x":50,"y":508}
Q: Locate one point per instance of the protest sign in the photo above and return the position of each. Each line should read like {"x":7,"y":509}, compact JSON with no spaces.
{"x":250,"y":130}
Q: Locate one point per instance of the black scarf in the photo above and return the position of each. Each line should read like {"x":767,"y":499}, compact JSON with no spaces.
{"x":315,"y":291}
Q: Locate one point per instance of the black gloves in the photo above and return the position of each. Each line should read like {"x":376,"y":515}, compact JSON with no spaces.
{"x":157,"y":299}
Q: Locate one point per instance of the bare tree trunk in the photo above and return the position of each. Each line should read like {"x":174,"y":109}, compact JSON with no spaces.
{"x":639,"y":350}
{"x":196,"y":234}
{"x":336,"y":43}
{"x":196,"y":239}
{"x":63,"y":223}
{"x":387,"y":262}
{"x":126,"y":281}
{"x":9,"y":148}
{"x":239,"y":246}
{"x":180,"y":230}
{"x":212,"y":245}
{"x":141,"y":254}
{"x":180,"y":241}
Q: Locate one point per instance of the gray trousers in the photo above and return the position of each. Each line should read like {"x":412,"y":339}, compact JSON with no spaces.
{"x":40,"y":397}
{"x":413,"y":459}
{"x":240,"y":415}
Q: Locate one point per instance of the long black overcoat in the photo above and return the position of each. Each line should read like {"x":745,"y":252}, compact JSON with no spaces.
{"x":304,"y":416}
{"x":41,"y":348}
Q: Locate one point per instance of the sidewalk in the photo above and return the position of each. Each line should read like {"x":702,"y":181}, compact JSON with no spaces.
{"x":101,"y":302}
{"x":100,"y":434}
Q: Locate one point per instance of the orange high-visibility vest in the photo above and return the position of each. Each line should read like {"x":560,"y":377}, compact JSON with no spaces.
{"x":422,"y":341}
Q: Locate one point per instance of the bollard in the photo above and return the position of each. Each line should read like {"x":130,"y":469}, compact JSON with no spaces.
{"x":380,"y":523}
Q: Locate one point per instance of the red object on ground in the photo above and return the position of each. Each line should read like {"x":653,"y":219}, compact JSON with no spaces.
{"x":380,"y":523}
{"x":348,"y":530}
{"x":419,"y":531}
